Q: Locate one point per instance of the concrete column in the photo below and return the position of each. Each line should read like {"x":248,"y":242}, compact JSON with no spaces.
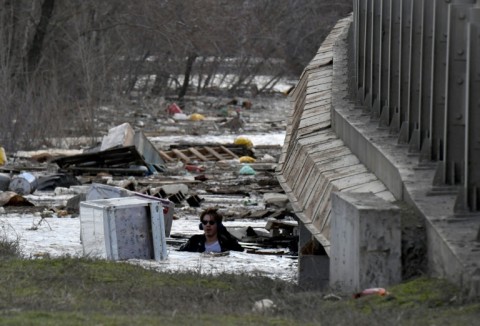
{"x":313,"y":262}
{"x":313,"y":271}
{"x":365,"y":242}
{"x":304,"y":236}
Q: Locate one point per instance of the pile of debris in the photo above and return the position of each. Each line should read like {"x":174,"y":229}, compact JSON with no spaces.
{"x":184,"y":179}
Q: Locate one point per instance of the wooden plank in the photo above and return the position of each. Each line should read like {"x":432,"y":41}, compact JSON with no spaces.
{"x":110,"y":170}
{"x":166,"y":157}
{"x":226,"y":150}
{"x":181,"y":156}
{"x":198,"y":154}
{"x":204,"y":153}
{"x":214,"y":153}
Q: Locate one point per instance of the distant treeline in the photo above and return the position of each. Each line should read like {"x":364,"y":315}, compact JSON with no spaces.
{"x":61,"y":59}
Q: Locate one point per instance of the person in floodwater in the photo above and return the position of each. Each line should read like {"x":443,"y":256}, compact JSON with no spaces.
{"x":215,"y":237}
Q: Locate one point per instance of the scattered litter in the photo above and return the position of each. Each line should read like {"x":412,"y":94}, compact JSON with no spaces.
{"x":194,"y":168}
{"x":194,"y":201}
{"x":119,"y":136}
{"x":242,"y":140}
{"x":278,"y":227}
{"x":23,"y":184}
{"x":268,"y":251}
{"x":378,"y":291}
{"x":263,"y":306}
{"x":125,"y":152}
{"x":173,"y":109}
{"x":268,"y":159}
{"x":46,"y":213}
{"x":73,"y":204}
{"x":51,"y":182}
{"x":176,"y":198}
{"x":59,"y":191}
{"x":4,"y":181}
{"x":197,"y":117}
{"x":171,"y":189}
{"x":215,"y":254}
{"x":180,"y":116}
{"x":234,"y":124}
{"x":247,"y":105}
{"x":200,"y":153}
{"x":11,"y":198}
{"x":3,"y":156}
{"x":201,"y":177}
{"x":62,"y":213}
{"x":331,"y":297}
{"x":247,"y":159}
{"x":275,"y":200}
{"x":247,"y":170}
{"x":249,"y":202}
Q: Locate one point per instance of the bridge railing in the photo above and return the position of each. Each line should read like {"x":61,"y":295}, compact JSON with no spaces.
{"x":418,"y":71}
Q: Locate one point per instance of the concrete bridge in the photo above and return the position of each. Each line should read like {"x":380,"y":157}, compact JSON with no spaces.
{"x":385,"y":125}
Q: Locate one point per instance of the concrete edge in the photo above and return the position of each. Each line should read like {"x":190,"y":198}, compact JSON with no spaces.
{"x":453,"y":252}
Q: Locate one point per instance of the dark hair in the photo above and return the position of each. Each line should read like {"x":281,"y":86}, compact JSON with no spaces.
{"x":213,"y":212}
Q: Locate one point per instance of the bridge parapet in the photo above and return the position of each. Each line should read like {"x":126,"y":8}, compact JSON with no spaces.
{"x":417,"y":65}
{"x":396,"y":149}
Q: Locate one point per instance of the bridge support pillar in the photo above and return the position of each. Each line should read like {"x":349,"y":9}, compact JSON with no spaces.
{"x":313,"y":261}
{"x":365,"y":240}
{"x":313,"y":272}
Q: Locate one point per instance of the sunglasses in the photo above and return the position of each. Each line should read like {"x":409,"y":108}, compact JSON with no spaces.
{"x":208,"y":222}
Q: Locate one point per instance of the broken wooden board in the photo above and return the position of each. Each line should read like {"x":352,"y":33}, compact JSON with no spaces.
{"x":241,"y":191}
{"x":198,"y":154}
{"x":276,"y":224}
{"x":269,"y":251}
{"x":10,"y":198}
{"x":239,"y":150}
{"x":257,"y":214}
{"x":115,"y":161}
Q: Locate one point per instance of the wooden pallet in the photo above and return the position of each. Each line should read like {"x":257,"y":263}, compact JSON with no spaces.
{"x":199,"y":153}
{"x":115,"y":161}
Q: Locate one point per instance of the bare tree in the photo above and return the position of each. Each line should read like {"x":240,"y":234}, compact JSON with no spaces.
{"x":61,"y":60}
{"x":36,"y":46}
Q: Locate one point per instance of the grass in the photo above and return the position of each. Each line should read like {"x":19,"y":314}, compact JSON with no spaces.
{"x":72,"y":291}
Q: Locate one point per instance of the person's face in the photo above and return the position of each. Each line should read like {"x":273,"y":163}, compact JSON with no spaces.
{"x":209,"y":225}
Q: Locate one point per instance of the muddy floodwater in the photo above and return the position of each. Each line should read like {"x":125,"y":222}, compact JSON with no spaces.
{"x":239,"y":197}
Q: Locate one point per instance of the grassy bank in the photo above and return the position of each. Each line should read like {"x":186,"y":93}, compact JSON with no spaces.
{"x":68,"y":291}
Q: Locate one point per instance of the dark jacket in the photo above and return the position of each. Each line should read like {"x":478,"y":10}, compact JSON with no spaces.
{"x":197,"y":243}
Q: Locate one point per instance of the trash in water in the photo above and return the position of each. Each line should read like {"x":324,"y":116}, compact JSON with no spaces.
{"x":378,"y":291}
{"x":247,"y":170}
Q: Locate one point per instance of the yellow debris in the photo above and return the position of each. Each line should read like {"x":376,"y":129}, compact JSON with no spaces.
{"x":242,"y":140}
{"x":197,"y":117}
{"x":247,"y":159}
{"x":3,"y":156}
